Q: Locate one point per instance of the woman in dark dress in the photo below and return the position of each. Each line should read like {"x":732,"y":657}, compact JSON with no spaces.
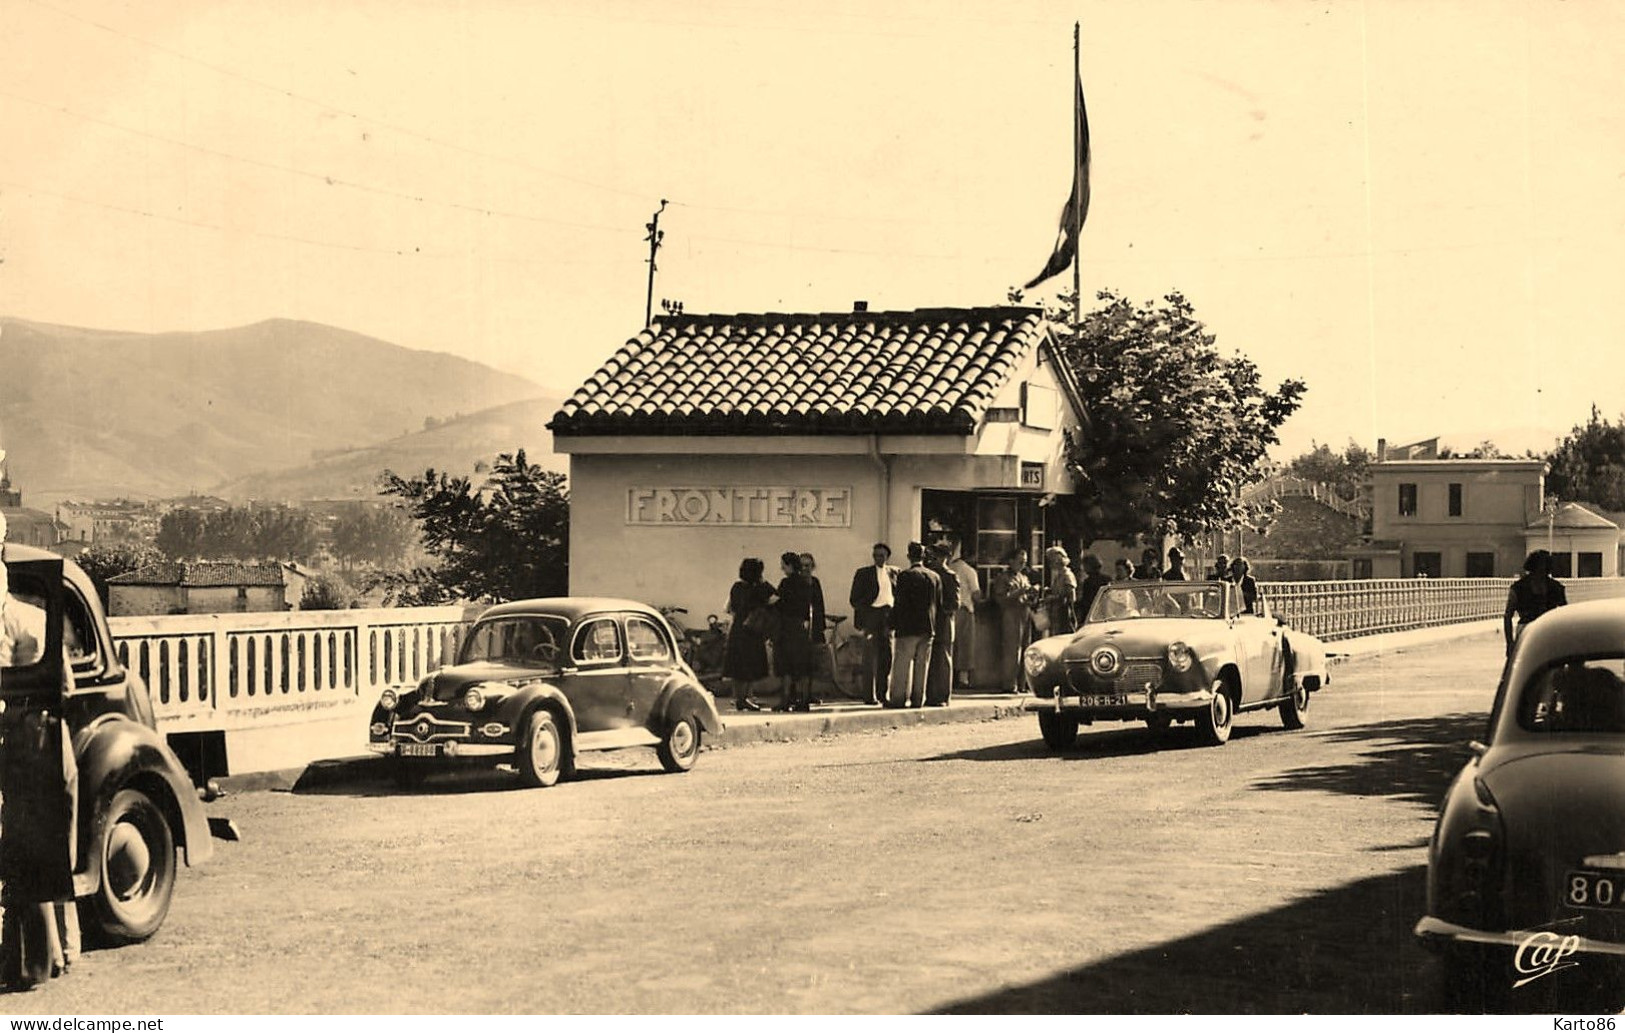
{"x":744,"y":663}
{"x":792,"y":650}
{"x":816,"y":629}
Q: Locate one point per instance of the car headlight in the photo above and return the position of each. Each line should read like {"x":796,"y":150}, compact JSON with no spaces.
{"x":1180,"y":657}
{"x":474,"y":698}
{"x":1106,"y":661}
{"x":1035,"y":661}
{"x":389,"y":699}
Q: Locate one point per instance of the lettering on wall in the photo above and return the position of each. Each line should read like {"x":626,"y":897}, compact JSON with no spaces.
{"x":1032,"y":475}
{"x":739,"y":507}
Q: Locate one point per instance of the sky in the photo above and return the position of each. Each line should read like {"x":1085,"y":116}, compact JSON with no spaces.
{"x":1415,"y":206}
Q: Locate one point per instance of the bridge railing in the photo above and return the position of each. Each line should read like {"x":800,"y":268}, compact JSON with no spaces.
{"x":223,"y":671}
{"x":1334,"y":610}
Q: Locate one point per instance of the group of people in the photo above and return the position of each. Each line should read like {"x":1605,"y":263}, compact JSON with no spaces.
{"x":918,"y":624}
{"x":790,"y":615}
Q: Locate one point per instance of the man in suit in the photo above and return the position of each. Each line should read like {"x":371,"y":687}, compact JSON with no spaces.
{"x":873,"y":595}
{"x":914,"y":620}
{"x":939,"y":682}
{"x":970,"y":593}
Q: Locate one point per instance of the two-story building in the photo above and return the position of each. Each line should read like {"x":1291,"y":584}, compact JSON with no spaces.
{"x":709,"y":439}
{"x":206,"y":587}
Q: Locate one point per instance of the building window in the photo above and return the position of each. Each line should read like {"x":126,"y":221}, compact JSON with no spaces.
{"x":1455,"y":500}
{"x":1362,"y":568}
{"x":1590,"y":564}
{"x":1562,"y":564}
{"x":1481,"y":564}
{"x":1427,"y":564}
{"x":1407,"y":500}
{"x":997,"y":534}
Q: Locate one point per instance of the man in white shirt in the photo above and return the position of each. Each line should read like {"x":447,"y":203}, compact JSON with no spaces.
{"x":872,"y":598}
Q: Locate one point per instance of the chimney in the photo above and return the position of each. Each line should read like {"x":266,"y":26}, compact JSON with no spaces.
{"x":860,"y":306}
{"x":1382,"y":450}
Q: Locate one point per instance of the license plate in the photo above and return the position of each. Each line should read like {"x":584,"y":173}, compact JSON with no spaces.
{"x":1594,"y":889}
{"x":420,"y":749}
{"x":1105,"y":701}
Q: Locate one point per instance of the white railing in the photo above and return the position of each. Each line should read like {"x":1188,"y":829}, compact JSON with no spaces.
{"x":224,"y":671}
{"x":1348,"y":609}
{"x":1297,"y":487}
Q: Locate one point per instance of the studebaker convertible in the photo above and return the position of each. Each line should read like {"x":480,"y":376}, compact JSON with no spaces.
{"x":540,"y":681}
{"x":1526,"y":870}
{"x":1166,"y":651}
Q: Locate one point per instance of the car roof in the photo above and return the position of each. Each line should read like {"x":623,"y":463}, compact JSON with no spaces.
{"x":1575,"y":629}
{"x":16,"y":552}
{"x":569,"y":606}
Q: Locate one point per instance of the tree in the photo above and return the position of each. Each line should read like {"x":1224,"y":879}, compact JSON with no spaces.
{"x":103,"y":562}
{"x":326,"y":592}
{"x":1344,"y":471}
{"x":283,"y":533}
{"x":1589,"y":464}
{"x":1173,"y":428}
{"x":181,"y":534}
{"x":507,"y":540}
{"x":1485,"y":449}
{"x":380,"y":536}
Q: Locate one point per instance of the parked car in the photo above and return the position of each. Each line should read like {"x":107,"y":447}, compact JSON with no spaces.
{"x":1526,"y":868}
{"x":541,"y":681}
{"x":137,"y":804}
{"x":1166,"y":651}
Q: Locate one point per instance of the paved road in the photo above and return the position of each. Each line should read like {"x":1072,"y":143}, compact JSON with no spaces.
{"x":960,"y":868}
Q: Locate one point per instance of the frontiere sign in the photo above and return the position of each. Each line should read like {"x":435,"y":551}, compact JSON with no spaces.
{"x":740,"y":507}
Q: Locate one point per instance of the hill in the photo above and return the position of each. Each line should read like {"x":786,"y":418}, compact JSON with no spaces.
{"x":99,"y":414}
{"x":454,"y":447}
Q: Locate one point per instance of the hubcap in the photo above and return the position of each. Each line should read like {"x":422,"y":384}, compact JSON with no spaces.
{"x":1221,"y":709}
{"x":544,"y":748}
{"x":682,"y":739}
{"x":129,"y":861}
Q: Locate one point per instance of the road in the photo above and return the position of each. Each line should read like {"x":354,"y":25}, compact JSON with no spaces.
{"x":950,"y":868}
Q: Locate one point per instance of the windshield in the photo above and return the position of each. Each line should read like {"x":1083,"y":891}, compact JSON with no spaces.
{"x":1576,"y":696}
{"x":1145,"y":599}
{"x":517,"y":640}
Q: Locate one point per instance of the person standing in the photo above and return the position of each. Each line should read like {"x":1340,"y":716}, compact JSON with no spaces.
{"x":1176,"y":565}
{"x":970,"y":594}
{"x":939,"y":682}
{"x":1534,"y":593}
{"x":1012,"y":593}
{"x":1150,"y":566}
{"x":1060,"y":593}
{"x":816,"y":629}
{"x":1240,"y":573}
{"x":1221,"y":569}
{"x":873,"y":596}
{"x":744,"y":661}
{"x":792,"y":646}
{"x":914,"y":619}
{"x":1094,"y":579}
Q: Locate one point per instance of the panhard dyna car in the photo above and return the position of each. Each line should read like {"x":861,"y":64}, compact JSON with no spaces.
{"x":1166,"y":651}
{"x":540,"y":681}
{"x":136,"y":802}
{"x":1526,"y":868}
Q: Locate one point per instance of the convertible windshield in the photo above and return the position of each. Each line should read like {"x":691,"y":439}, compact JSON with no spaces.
{"x":524,"y":640}
{"x":1576,"y":696}
{"x":1143,"y":599}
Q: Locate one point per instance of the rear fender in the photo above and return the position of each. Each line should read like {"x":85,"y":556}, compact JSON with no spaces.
{"x":114,"y":754}
{"x":680,"y":697}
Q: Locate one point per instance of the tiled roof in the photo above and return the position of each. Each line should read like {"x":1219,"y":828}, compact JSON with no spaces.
{"x":926,"y":371}
{"x":1574,"y":517}
{"x":204,"y":575}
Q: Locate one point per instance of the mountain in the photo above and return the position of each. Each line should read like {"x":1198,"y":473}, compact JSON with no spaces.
{"x":454,"y":447}
{"x":99,"y":414}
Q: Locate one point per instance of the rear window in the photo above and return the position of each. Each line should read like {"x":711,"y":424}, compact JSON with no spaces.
{"x":1576,"y":696}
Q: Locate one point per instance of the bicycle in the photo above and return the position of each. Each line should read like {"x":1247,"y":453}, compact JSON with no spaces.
{"x":703,"y":649}
{"x":842,"y":658}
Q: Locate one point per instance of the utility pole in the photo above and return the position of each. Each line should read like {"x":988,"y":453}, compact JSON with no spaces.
{"x":656,"y":235}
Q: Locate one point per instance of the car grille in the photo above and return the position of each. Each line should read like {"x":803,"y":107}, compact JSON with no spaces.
{"x":1134,"y":675}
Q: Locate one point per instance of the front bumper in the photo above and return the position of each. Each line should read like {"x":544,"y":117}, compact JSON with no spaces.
{"x":1435,"y":933}
{"x":1135,"y":704}
{"x":426,"y":735}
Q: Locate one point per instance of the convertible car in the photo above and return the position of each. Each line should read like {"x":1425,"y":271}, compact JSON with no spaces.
{"x":1526,"y":870}
{"x":1166,"y":651}
{"x":540,"y":681}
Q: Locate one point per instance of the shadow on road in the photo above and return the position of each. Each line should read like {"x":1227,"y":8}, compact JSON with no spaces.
{"x":1412,"y":759}
{"x":1346,"y":950}
{"x":1128,"y":741}
{"x":453,"y":781}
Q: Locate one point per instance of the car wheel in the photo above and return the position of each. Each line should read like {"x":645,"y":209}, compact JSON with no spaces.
{"x":541,"y":750}
{"x":681,"y":746}
{"x":1220,"y":716}
{"x":1159,"y":723}
{"x":137,"y":852}
{"x":1059,"y":730}
{"x":1295,"y":708}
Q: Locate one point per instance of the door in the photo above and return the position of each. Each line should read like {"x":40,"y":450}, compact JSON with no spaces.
{"x":1258,"y":647}
{"x":650,"y":654}
{"x":596,"y":683}
{"x":32,"y":669}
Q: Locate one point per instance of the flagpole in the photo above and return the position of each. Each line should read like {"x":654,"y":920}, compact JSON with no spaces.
{"x":1077,"y":184}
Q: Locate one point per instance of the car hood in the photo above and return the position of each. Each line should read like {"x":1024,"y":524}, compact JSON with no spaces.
{"x":450,"y":682}
{"x":1143,"y":637}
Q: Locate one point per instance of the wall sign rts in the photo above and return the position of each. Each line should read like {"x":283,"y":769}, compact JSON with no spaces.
{"x":777,"y":506}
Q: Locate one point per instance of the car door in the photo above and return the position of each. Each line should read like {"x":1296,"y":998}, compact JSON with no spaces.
{"x":650,"y":653}
{"x":596,"y":683}
{"x":34,"y":669}
{"x":1260,"y":647}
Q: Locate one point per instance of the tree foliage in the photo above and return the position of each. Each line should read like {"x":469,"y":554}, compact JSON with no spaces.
{"x":103,"y":562}
{"x":378,"y":536}
{"x":508,"y":539}
{"x":327,"y":592}
{"x":1345,"y":472}
{"x":238,"y":533}
{"x":1174,"y":428}
{"x":1589,"y":464}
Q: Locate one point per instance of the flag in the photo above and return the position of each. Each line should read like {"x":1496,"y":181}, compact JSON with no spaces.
{"x":1077,"y":205}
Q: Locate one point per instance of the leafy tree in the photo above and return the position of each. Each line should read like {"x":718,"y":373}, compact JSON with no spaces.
{"x":327,"y":592}
{"x":380,"y":536}
{"x":1485,"y":449}
{"x":1174,"y":428}
{"x":102,"y":562}
{"x":507,"y":540}
{"x":230,"y":534}
{"x":283,"y":533}
{"x":181,"y":534}
{"x":1344,"y":471}
{"x":1589,"y":464}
